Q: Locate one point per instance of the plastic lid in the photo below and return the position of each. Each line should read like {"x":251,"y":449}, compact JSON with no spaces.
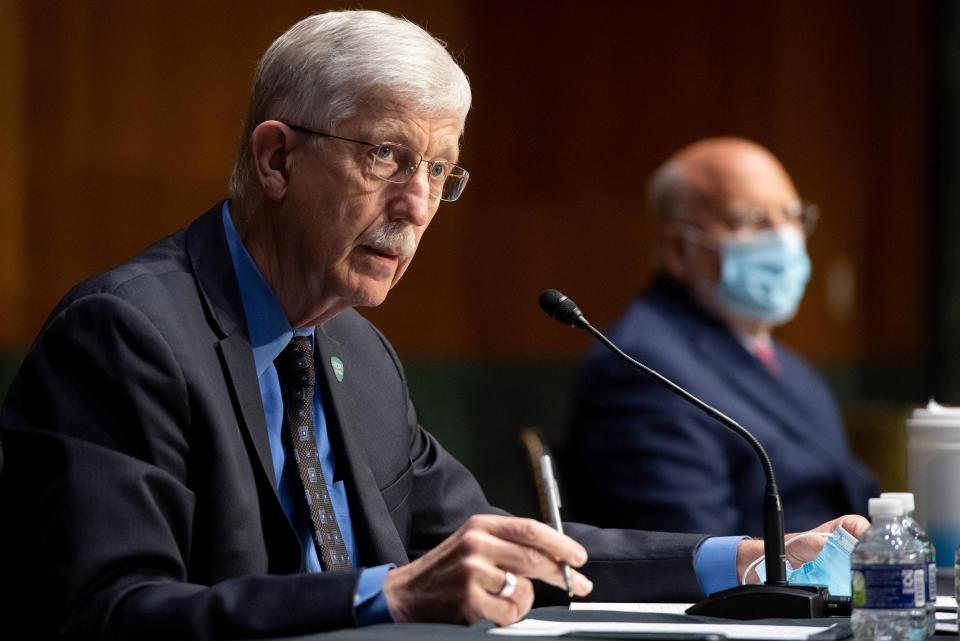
{"x":884,"y":508}
{"x":936,"y":410}
{"x":905,"y":498}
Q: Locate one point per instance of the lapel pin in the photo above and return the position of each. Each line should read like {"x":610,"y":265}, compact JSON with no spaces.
{"x":337,"y":365}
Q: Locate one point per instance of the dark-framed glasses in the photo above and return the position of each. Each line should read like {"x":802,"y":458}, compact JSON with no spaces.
{"x":397,"y":163}
{"x":749,"y":220}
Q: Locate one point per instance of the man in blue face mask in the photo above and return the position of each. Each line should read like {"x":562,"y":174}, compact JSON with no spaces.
{"x":732,"y":265}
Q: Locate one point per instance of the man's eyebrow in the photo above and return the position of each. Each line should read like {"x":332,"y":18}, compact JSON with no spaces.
{"x":384,"y":133}
{"x":448,"y":152}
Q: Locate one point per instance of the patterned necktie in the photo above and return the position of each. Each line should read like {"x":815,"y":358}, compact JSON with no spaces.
{"x":296,"y":371}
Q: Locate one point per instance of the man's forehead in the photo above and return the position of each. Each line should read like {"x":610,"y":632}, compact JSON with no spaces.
{"x":742,"y":193}
{"x":759,"y":194}
{"x":438,"y":134}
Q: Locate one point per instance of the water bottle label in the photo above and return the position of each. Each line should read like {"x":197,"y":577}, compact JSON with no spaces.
{"x":932,"y":582}
{"x":888,"y":587}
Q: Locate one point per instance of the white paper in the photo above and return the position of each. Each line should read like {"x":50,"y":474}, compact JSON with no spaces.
{"x":947,"y":626}
{"x":535,"y":627}
{"x":947,"y":603}
{"x":646,"y":608}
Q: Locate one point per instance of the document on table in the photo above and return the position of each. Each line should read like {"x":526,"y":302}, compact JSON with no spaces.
{"x":947,"y":614}
{"x":644,"y":608}
{"x":535,"y":627}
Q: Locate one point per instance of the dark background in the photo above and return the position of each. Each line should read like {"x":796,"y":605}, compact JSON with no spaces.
{"x":119,"y":121}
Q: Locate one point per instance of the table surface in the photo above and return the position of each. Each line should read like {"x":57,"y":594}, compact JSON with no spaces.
{"x":436,"y":632}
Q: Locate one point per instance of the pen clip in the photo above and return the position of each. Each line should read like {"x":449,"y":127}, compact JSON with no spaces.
{"x":549,"y":480}
{"x":546,"y":470}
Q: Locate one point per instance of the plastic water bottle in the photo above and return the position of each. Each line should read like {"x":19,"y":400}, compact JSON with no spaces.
{"x":956,"y":580}
{"x":888,"y":579}
{"x":906,"y":500}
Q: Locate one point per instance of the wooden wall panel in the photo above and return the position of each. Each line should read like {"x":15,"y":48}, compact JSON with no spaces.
{"x":12,"y":121}
{"x":607,"y":94}
{"x":132,"y":111}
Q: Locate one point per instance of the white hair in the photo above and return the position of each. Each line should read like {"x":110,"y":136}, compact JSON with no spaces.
{"x":324,"y":67}
{"x":669,"y":194}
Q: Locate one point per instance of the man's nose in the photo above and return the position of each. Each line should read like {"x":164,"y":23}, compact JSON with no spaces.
{"x":416,"y":203}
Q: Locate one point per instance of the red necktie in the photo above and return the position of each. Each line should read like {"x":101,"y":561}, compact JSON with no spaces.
{"x":764,"y":352}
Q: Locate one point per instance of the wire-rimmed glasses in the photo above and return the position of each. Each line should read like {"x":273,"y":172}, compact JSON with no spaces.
{"x":397,"y":163}
{"x":750,"y":220}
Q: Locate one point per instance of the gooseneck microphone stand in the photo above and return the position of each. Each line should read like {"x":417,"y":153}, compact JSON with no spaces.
{"x":772,"y":599}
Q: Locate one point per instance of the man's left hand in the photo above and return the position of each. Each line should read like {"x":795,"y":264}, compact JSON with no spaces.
{"x":805,"y":549}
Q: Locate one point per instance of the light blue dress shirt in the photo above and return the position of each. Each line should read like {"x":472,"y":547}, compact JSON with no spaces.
{"x":715,"y":563}
{"x":270,"y":333}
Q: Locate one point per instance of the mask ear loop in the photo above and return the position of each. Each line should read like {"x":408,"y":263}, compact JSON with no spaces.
{"x":756,"y":562}
{"x":695,"y":236}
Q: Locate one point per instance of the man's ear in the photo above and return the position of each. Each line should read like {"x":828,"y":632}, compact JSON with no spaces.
{"x":671,"y":246}
{"x":270,"y":146}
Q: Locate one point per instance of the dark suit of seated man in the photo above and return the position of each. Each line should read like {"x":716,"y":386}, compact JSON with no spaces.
{"x":732,"y":266}
{"x":208,"y":442}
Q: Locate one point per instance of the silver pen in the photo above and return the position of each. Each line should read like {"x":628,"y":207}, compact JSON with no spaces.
{"x":552,"y":493}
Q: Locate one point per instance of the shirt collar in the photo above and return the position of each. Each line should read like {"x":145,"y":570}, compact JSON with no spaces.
{"x":267,"y":323}
{"x":753,"y":343}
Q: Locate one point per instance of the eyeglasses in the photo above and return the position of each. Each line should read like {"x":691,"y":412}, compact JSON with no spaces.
{"x":397,"y":163}
{"x":754,"y":219}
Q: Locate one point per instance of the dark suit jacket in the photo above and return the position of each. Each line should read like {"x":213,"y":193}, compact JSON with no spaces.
{"x":645,"y":458}
{"x":138,"y":495}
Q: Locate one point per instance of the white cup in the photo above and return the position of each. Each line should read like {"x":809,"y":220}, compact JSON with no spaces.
{"x":933,"y":475}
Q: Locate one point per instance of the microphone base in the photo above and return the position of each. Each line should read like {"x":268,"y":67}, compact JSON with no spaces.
{"x":762,"y":601}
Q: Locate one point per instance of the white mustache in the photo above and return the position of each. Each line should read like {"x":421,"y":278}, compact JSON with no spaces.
{"x":393,"y":238}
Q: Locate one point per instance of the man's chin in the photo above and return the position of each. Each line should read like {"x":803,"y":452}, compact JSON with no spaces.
{"x":371,"y":295}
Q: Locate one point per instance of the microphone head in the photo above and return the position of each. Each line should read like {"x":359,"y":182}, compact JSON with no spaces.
{"x":561,"y":308}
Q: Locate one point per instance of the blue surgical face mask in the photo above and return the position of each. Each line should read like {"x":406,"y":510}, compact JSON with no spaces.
{"x":762,"y":277}
{"x":830,"y":568}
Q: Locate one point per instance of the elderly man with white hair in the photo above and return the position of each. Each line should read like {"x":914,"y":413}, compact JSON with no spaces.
{"x":207,"y":441}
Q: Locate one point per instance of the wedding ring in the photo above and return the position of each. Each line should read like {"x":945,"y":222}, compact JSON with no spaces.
{"x":509,"y":585}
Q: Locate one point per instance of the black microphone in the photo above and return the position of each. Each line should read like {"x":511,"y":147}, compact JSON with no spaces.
{"x":774,"y":598}
{"x":561,"y":308}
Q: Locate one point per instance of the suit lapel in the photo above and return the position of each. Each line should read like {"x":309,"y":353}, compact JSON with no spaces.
{"x":725,"y":356}
{"x":213,"y":267}
{"x":207,"y":250}
{"x":377,"y":539}
{"x":797,"y":389}
{"x":238,"y":363}
{"x":742,"y":371}
{"x":784,"y":402}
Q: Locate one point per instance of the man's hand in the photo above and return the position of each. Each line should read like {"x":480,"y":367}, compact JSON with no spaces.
{"x":459,"y":580}
{"x":803,"y":550}
{"x":807,"y":549}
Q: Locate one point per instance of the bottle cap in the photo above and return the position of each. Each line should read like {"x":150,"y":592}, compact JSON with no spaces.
{"x":884,"y":508}
{"x":905,"y":498}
